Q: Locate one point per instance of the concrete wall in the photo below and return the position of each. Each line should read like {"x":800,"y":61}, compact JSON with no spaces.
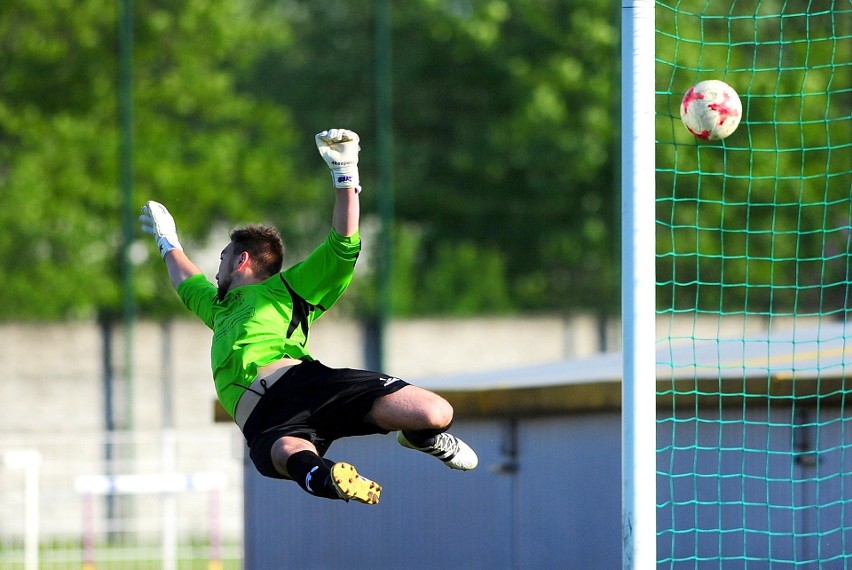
{"x":53,"y":374}
{"x":53,"y":397}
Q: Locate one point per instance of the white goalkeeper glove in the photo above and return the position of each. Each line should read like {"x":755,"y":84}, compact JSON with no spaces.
{"x":158,"y":222}
{"x":339,"y":148}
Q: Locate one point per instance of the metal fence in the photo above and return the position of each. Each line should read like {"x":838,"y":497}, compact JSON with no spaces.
{"x":168,"y":499}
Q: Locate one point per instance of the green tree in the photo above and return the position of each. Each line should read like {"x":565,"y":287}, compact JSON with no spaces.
{"x":503,"y":120}
{"x":504,"y":126}
{"x":205,"y":148}
{"x":765,"y":214}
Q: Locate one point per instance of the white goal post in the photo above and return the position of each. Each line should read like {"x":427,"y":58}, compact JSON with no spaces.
{"x":638,"y":406}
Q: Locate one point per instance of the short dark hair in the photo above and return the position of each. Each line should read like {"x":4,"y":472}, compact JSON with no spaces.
{"x":264,"y":246}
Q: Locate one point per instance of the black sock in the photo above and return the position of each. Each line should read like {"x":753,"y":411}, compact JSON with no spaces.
{"x":312,"y":473}
{"x":423,"y":437}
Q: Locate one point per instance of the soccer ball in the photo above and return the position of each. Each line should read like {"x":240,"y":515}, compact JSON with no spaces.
{"x":711,"y":110}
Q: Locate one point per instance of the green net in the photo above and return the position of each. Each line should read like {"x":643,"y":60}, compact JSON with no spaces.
{"x":753,"y":288}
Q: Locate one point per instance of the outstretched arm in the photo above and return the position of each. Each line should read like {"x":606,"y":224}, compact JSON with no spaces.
{"x":339,"y":148}
{"x":347,"y":211}
{"x":180,"y":267}
{"x":159,"y":223}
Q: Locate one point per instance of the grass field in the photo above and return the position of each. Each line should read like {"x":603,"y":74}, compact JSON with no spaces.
{"x":118,"y":557}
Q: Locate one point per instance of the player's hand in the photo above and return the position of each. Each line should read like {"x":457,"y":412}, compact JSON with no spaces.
{"x":339,"y":148}
{"x":158,"y":222}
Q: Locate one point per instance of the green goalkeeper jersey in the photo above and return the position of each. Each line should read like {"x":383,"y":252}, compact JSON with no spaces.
{"x":261,"y":323}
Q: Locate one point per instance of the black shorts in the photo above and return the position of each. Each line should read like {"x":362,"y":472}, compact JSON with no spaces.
{"x":317,"y":403}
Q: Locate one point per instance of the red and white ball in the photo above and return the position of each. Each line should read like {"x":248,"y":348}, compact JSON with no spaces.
{"x":711,"y":110}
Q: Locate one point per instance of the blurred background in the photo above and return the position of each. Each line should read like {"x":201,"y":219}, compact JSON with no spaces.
{"x":490,"y":211}
{"x":503,"y":118}
{"x":490,"y":219}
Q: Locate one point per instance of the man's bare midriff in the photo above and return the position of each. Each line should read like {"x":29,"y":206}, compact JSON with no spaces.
{"x":269,"y":374}
{"x":268,"y":369}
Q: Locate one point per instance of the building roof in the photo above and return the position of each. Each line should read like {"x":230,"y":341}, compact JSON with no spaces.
{"x":817,"y":357}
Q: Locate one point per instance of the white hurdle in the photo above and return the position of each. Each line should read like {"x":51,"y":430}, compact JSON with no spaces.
{"x":153,"y":484}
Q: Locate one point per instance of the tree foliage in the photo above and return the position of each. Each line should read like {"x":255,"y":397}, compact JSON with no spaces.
{"x":211,"y":153}
{"x":760,"y":222}
{"x":503,"y":126}
{"x":504,"y":123}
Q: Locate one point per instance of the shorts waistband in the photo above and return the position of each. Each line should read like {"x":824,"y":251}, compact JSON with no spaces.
{"x":254,"y":392}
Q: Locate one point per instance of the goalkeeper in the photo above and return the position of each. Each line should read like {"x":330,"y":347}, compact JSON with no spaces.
{"x":289,"y":406}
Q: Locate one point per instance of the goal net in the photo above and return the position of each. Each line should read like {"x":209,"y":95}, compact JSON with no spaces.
{"x":753,"y":288}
